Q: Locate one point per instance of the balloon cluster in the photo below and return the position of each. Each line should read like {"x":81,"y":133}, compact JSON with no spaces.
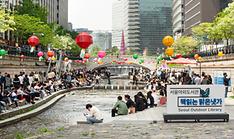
{"x":168,"y":41}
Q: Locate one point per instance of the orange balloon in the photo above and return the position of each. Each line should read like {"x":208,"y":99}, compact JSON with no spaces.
{"x":168,"y":41}
{"x":169,"y":51}
{"x":196,"y":56}
{"x":50,"y":53}
{"x":199,"y":58}
{"x":100,"y":62}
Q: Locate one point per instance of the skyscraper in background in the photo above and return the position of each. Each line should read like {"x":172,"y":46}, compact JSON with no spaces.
{"x":131,"y":20}
{"x":102,"y":39}
{"x":155,"y":23}
{"x":198,"y":11}
{"x":57,"y":11}
{"x":117,"y":22}
{"x":178,"y":18}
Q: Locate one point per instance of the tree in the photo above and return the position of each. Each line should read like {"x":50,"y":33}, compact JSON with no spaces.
{"x":26,"y":26}
{"x":6,"y":21}
{"x":202,"y":31}
{"x":113,"y":51}
{"x":65,"y":43}
{"x":94,"y":49}
{"x":185,"y":45}
{"x":224,"y":24}
{"x":32,"y":9}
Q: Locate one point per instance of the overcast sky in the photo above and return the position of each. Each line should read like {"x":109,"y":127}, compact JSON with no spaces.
{"x":92,"y":14}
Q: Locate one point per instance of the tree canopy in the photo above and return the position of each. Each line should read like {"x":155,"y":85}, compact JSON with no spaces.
{"x":32,"y":9}
{"x":221,"y":28}
{"x":185,"y":45}
{"x":6,"y":21}
{"x":26,"y":26}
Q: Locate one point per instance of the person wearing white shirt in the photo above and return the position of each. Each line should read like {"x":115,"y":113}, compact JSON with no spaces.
{"x":21,"y":78}
{"x":94,"y":115}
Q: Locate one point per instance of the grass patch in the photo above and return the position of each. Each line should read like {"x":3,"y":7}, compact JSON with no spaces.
{"x":44,"y":130}
{"x":93,"y":134}
{"x":85,"y":134}
{"x":232,"y":97}
{"x":61,"y":129}
{"x":19,"y":136}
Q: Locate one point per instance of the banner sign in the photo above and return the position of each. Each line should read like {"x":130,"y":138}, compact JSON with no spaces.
{"x":195,"y":99}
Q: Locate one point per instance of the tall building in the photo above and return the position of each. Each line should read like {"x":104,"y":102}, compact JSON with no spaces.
{"x":131,"y":23}
{"x":178,"y":17}
{"x":102,"y":39}
{"x":79,"y":30}
{"x":57,"y":11}
{"x":198,"y":11}
{"x":155,"y":23}
{"x":117,"y":22}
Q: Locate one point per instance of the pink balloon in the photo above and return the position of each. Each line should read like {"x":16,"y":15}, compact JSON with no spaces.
{"x":39,"y":54}
{"x":101,"y":54}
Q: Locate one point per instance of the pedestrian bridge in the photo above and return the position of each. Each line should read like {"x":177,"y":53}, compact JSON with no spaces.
{"x":120,"y":69}
{"x":121,"y":64}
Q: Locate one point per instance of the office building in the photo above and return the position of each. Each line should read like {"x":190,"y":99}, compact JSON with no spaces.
{"x":79,"y":30}
{"x":102,"y":39}
{"x":178,"y":18}
{"x":131,"y":24}
{"x":57,"y":11}
{"x":198,"y":11}
{"x":117,"y":22}
{"x":70,"y":26}
{"x":155,"y":23}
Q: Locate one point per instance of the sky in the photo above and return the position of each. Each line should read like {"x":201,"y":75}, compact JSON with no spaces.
{"x":92,"y":14}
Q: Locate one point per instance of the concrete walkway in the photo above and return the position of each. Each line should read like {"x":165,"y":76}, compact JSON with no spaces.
{"x":156,"y":114}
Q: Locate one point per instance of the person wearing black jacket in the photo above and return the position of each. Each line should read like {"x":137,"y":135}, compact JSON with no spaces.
{"x":16,"y":82}
{"x":141,"y":101}
{"x":150,"y":99}
{"x":226,"y":83}
{"x":130,"y":104}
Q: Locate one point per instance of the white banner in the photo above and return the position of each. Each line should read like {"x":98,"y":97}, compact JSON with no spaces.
{"x":195,"y":99}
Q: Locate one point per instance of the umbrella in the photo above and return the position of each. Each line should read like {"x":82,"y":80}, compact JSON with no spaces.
{"x":182,"y":61}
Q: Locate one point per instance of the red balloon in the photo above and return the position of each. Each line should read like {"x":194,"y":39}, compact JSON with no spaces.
{"x":33,"y":40}
{"x":87,"y":56}
{"x":84,"y":40}
{"x":178,"y":56}
{"x":50,"y":53}
{"x":125,"y":59}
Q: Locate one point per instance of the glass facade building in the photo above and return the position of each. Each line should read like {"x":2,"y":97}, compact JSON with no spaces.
{"x":155,"y":23}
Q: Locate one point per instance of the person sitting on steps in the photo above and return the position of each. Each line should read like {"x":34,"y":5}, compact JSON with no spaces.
{"x":120,"y":107}
{"x":93,"y":115}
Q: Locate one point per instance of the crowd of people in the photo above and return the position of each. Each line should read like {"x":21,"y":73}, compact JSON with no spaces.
{"x":25,"y":88}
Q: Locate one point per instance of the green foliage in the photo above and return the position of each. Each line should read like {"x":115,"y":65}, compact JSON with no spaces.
{"x":113,"y":51}
{"x":6,"y":21}
{"x":32,"y":9}
{"x":94,"y":49}
{"x":19,"y":136}
{"x":185,"y":45}
{"x":221,"y":28}
{"x":28,"y":25}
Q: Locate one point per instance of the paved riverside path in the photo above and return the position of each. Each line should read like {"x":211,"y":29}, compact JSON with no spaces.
{"x":156,"y":114}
